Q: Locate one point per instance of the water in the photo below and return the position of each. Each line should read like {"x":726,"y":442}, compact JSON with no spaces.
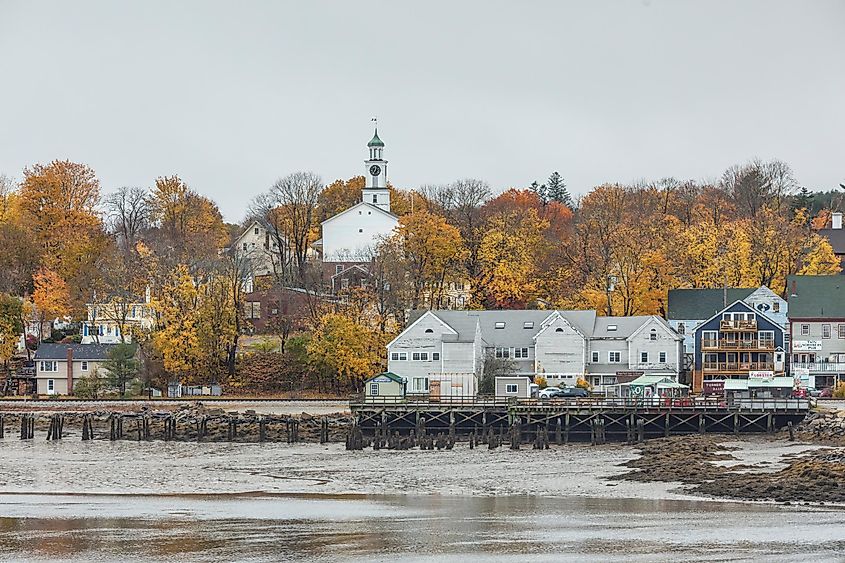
{"x":102,"y":501}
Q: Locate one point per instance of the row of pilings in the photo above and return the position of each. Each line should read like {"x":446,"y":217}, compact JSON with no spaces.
{"x":180,"y":426}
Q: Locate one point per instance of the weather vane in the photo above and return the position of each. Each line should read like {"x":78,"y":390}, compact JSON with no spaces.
{"x":375,"y":120}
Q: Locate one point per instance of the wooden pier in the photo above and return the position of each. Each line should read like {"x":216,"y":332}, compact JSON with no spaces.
{"x":581,"y":420}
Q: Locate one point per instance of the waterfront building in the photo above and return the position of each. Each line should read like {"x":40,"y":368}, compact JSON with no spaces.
{"x":452,"y":347}
{"x":737,"y":342}
{"x":835,"y":235}
{"x":817,"y":319}
{"x":59,"y":366}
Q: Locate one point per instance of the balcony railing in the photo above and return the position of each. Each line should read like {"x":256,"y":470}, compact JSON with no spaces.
{"x":819,"y":367}
{"x":723,"y":344}
{"x":738,"y":325}
{"x":738,"y":366}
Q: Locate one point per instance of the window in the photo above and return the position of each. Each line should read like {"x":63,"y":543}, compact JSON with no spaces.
{"x":344,"y":283}
{"x":653,"y":335}
{"x":499,"y":325}
{"x":403,"y":356}
{"x":520,"y":353}
{"x":394,"y":356}
{"x":614,"y":357}
{"x":709,"y":338}
{"x":374,"y":389}
{"x":84,"y":366}
{"x":510,"y":388}
{"x":435,"y":356}
{"x":805,"y":330}
{"x":558,"y":329}
{"x":51,"y":385}
{"x":528,"y":324}
{"x":594,"y":357}
{"x":423,"y":356}
{"x":681,"y":328}
{"x":766,"y":338}
{"x":842,"y":331}
{"x":459,"y":286}
{"x":360,"y":230}
{"x":245,"y":247}
{"x":611,"y":328}
{"x":252,"y":310}
{"x":662,"y":357}
{"x":85,"y":330}
{"x":429,"y":331}
{"x":375,"y":198}
{"x":415,"y":356}
{"x":255,"y":230}
{"x":825,"y":331}
{"x":503,"y":353}
{"x":50,"y":365}
{"x":776,"y":307}
{"x":643,"y":357}
{"x":338,"y":268}
{"x":420,"y":384}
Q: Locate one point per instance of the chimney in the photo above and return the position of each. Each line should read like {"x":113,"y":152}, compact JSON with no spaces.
{"x":836,"y":220}
{"x":794,"y":289}
{"x":69,"y":359}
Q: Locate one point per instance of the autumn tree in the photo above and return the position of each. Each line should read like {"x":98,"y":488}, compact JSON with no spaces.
{"x":345,"y":350}
{"x":11,"y":328}
{"x":177,"y":338}
{"x":51,"y":297}
{"x":128,"y":212}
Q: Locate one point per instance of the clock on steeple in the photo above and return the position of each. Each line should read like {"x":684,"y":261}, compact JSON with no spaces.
{"x":375,"y":190}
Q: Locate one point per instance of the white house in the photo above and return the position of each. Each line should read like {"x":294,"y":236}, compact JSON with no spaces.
{"x":452,"y":346}
{"x":353,"y":234}
{"x":118,"y":320}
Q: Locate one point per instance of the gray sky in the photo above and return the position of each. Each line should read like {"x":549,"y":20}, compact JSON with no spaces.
{"x":232,"y":95}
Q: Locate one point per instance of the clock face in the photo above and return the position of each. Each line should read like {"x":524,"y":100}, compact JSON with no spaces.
{"x":375,"y":170}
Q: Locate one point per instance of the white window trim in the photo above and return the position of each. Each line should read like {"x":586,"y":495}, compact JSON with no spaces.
{"x":662,"y":357}
{"x":643,"y":355}
{"x":595,"y":357}
{"x":511,"y":388}
{"x":610,"y":357}
{"x":84,"y":365}
{"x":374,"y":389}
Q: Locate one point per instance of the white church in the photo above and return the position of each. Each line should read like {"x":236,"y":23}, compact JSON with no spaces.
{"x":351,"y":237}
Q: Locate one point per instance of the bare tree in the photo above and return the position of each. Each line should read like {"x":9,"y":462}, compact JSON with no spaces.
{"x":128,"y":213}
{"x":758,"y":184}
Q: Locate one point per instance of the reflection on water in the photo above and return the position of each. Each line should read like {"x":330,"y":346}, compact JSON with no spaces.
{"x":265,"y":527}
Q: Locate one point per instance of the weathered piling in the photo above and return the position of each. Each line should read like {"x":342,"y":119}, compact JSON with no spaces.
{"x":516,"y":433}
{"x":640,"y":430}
{"x":27,"y":426}
{"x":87,"y":427}
{"x":262,"y":429}
{"x":791,"y":431}
{"x":2,"y":426}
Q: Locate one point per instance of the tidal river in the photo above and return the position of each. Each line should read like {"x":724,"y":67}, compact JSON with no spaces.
{"x":126,"y":501}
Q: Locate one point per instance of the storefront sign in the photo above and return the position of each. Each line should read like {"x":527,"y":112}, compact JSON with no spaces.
{"x":761,"y":375}
{"x":714,"y":387}
{"x":806,"y":345}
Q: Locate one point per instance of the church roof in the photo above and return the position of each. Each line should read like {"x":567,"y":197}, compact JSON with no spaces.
{"x":369,"y":206}
{"x":375,"y":141}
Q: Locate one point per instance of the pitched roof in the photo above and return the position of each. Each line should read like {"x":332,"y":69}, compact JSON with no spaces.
{"x":697,"y":304}
{"x":625,"y":326}
{"x":388,"y":374}
{"x":816,"y":297}
{"x":836,"y":237}
{"x":47,"y":351}
{"x":369,"y":205}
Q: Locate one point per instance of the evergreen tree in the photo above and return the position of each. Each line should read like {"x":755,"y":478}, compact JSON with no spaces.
{"x":557,"y":191}
{"x":541,"y":190}
{"x":121,"y":367}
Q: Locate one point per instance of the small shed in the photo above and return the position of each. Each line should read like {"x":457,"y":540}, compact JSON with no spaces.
{"x":759,"y":388}
{"x":646,"y":386}
{"x":513,"y":386}
{"x":384,"y":386}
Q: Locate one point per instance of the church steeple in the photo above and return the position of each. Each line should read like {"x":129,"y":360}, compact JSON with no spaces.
{"x":375,"y":190}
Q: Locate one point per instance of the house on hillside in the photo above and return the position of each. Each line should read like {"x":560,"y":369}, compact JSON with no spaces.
{"x":817,"y":319}
{"x":59,"y":366}
{"x":736,"y":343}
{"x":451,"y":347}
{"x":279,"y":308}
{"x":117,"y":320}
{"x":835,"y":235}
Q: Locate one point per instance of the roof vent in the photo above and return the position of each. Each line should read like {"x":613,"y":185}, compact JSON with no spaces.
{"x":611,"y":328}
{"x":500,"y":324}
{"x":528,"y":324}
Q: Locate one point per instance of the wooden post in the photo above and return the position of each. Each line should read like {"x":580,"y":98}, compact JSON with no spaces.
{"x":558,"y":437}
{"x":566,"y":430}
{"x":628,"y":439}
{"x":791,"y":431}
{"x":2,"y":426}
{"x":701,"y":424}
{"x":770,"y":424}
{"x":640,"y":430}
{"x":736,"y":423}
{"x":452,"y":423}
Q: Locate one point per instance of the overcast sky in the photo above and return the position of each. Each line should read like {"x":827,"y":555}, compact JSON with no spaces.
{"x":232,"y":95}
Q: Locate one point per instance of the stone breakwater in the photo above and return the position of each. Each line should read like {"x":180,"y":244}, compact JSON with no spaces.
{"x":823,"y":427}
{"x":194,"y":422}
{"x":810,"y":476}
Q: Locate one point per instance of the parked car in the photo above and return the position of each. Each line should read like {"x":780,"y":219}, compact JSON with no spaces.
{"x":813,"y":392}
{"x":826,"y":392}
{"x":548,"y":392}
{"x":573,"y":393}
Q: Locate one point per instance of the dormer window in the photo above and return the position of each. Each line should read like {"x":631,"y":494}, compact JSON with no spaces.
{"x":500,"y":324}
{"x":611,"y":328}
{"x":528,"y":324}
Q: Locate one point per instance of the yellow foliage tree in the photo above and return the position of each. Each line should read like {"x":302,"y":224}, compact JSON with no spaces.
{"x":177,"y":338}
{"x":51,"y":296}
{"x":344,"y":349}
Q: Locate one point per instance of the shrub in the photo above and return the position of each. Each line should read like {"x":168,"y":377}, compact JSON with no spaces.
{"x":583,"y":384}
{"x":540,"y":380}
{"x":839,"y":390}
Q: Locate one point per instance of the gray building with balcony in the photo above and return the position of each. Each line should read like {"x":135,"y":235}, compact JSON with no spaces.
{"x":817,"y":323}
